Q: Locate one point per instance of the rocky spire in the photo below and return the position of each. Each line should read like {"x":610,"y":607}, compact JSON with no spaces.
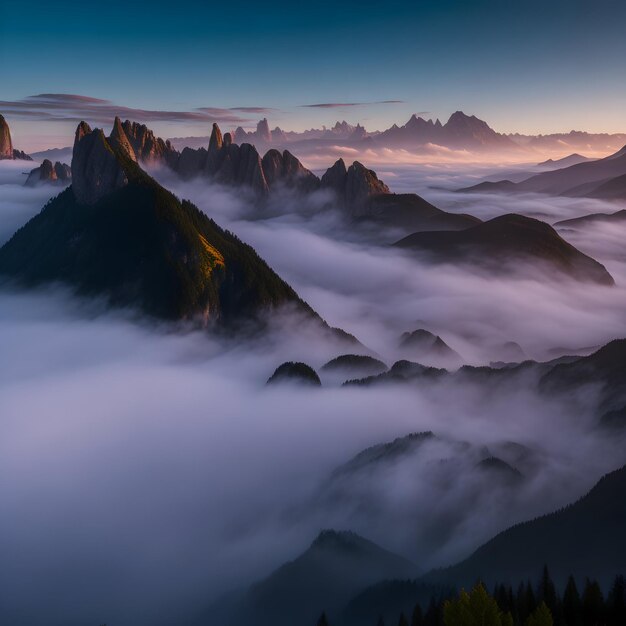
{"x":216,"y":142}
{"x":96,"y":170}
{"x":335,"y":178}
{"x":48,"y":173}
{"x":263,"y":132}
{"x":118,"y":139}
{"x":354,"y":186}
{"x":285,"y":169}
{"x":6,"y":146}
{"x":361,"y":185}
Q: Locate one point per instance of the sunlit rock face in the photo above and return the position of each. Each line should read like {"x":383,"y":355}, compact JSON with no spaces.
{"x":49,"y":173}
{"x":146,"y":146}
{"x":96,"y":170}
{"x":6,"y":146}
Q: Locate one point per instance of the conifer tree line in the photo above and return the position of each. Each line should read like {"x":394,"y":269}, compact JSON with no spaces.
{"x":526,"y":605}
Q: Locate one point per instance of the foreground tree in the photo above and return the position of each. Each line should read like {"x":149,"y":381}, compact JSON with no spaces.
{"x":417,"y":619}
{"x":476,"y":608}
{"x":616,"y":603}
{"x":541,"y":616}
{"x":572,"y":607}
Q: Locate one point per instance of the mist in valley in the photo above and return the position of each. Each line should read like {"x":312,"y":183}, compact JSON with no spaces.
{"x":147,"y":469}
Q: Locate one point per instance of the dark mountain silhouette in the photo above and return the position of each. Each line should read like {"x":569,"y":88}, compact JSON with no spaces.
{"x":384,"y":453}
{"x":355,"y":365}
{"x":571,"y":159}
{"x":613,"y":189}
{"x":424,"y":345}
{"x":584,"y":539}
{"x":411,"y":213}
{"x":602,"y":176}
{"x":295,"y":372}
{"x":604,"y":370}
{"x":48,"y":173}
{"x":504,"y":243}
{"x":335,"y":567}
{"x":117,"y":233}
{"x":593,"y":218}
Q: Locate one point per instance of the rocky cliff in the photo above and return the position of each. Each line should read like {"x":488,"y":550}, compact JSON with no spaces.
{"x":6,"y":145}
{"x":97,"y":170}
{"x":49,"y":173}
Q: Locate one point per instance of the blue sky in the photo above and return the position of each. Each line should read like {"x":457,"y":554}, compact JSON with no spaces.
{"x":531,"y":67}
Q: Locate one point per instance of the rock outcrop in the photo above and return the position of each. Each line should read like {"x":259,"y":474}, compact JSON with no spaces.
{"x":285,"y":169}
{"x":6,"y":145}
{"x":119,"y":139}
{"x":225,"y":162}
{"x":49,"y":173}
{"x":7,"y":151}
{"x":146,"y":146}
{"x":263,"y":131}
{"x":20,"y":155}
{"x":355,"y":186}
{"x":96,"y":168}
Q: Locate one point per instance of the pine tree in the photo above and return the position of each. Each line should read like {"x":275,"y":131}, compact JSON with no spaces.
{"x":616,"y":603}
{"x":417,"y":618}
{"x":571,"y":604}
{"x":433,"y":614}
{"x":381,"y":621}
{"x":403,"y":621}
{"x":541,"y":616}
{"x":547,"y":591}
{"x":525,"y":602}
{"x":592,"y":604}
{"x":476,"y":607}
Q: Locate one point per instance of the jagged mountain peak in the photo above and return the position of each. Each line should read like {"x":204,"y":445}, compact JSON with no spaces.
{"x":216,"y":141}
{"x":119,"y":139}
{"x":97,"y":166}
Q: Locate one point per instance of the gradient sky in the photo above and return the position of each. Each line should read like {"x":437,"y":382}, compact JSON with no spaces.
{"x":526,"y":66}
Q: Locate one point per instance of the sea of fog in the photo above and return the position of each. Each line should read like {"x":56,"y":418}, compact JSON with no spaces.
{"x":145,"y":470}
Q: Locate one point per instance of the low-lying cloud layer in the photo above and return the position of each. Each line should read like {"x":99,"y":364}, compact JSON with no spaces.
{"x":144,"y":470}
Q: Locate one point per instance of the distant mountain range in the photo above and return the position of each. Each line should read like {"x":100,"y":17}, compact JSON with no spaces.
{"x":602,"y":178}
{"x":460,"y":132}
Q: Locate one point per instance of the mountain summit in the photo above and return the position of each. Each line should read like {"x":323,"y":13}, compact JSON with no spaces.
{"x":115,"y":232}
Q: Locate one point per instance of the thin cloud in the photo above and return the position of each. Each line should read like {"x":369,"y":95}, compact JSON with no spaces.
{"x":73,"y":108}
{"x":334,"y":105}
{"x":254,"y":109}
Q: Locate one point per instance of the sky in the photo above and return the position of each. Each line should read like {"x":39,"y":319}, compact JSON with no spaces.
{"x":534,"y":67}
